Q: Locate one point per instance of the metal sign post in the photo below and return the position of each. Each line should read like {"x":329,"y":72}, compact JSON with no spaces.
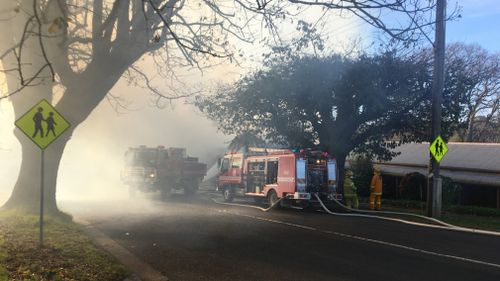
{"x":42,"y":124}
{"x":40,"y":242}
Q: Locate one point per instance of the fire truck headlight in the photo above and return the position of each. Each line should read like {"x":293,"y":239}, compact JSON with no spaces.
{"x":318,"y":161}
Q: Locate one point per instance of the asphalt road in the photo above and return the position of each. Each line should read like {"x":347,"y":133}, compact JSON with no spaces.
{"x":198,"y":239}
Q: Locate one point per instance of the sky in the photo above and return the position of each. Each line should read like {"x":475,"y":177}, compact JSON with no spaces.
{"x":480,"y":23}
{"x":91,"y":164}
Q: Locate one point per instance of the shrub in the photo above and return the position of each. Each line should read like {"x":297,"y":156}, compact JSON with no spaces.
{"x":362,"y":169}
{"x":413,"y":186}
{"x":451,"y":191}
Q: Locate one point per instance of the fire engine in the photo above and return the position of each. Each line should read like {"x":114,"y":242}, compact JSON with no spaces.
{"x":278,"y":173}
{"x":161,"y":169}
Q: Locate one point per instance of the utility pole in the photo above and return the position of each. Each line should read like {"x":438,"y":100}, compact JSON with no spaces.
{"x":434,"y":182}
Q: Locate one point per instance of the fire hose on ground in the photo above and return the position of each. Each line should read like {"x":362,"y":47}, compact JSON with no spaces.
{"x":366,"y":214}
{"x":250,"y":206}
{"x":375,"y":215}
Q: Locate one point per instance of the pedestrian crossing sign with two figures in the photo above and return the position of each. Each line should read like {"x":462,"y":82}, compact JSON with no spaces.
{"x":42,"y":124}
{"x":438,"y":148}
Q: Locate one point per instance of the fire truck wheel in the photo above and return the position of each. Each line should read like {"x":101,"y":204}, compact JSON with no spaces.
{"x":228,"y":195}
{"x":272,"y":197}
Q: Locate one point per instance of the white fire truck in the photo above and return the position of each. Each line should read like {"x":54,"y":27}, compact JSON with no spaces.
{"x":278,"y":173}
{"x":161,"y":169}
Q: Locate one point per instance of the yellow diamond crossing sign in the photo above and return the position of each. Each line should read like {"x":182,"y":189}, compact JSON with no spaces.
{"x":438,"y":148}
{"x":42,"y":124}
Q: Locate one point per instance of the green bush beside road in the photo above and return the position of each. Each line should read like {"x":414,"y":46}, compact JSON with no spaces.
{"x":68,"y":254}
{"x":362,"y":169}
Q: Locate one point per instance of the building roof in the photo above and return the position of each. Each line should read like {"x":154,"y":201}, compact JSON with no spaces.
{"x":476,"y":163}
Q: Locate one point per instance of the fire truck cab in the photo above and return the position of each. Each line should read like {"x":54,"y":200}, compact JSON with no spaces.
{"x":278,"y":173}
{"x":167,"y":170}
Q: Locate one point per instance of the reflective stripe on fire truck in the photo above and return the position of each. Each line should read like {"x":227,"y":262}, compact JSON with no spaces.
{"x":229,"y":178}
{"x":302,"y":195}
{"x":301,"y":175}
{"x":286,"y":179}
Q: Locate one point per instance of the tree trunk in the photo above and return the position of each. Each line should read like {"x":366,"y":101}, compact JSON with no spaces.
{"x":26,"y":193}
{"x":470,"y":130}
{"x":75,"y":106}
{"x":84,"y":91}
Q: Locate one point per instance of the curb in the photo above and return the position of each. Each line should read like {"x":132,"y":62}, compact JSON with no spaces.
{"x":141,"y":270}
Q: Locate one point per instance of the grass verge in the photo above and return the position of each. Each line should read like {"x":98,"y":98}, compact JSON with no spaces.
{"x":68,"y":254}
{"x":472,"y":221}
{"x":464,"y":216}
{"x":3,"y":256}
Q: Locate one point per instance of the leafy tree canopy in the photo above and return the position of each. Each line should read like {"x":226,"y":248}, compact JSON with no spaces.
{"x":337,"y":103}
{"x":245,"y":140}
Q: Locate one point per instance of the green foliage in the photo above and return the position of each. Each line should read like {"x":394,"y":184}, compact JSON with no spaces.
{"x":337,"y":103}
{"x":68,"y":254}
{"x":451,"y":191}
{"x":466,"y":216}
{"x":245,"y":140}
{"x":473,"y":221}
{"x":362,"y":169}
{"x":413,"y":186}
{"x":449,"y":209}
{"x":405,"y":203}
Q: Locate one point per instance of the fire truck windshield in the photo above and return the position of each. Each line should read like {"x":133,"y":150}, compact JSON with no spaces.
{"x":225,"y":164}
{"x":145,"y":158}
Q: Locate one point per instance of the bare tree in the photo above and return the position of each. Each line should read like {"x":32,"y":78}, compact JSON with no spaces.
{"x":480,"y":72}
{"x":72,"y":52}
{"x":414,"y":17}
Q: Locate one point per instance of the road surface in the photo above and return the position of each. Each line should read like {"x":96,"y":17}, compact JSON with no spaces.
{"x":198,"y":239}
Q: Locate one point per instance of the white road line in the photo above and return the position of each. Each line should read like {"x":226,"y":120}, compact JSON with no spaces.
{"x":380,"y":242}
{"x":443,"y":225}
{"x":279,"y":222}
{"x":412,"y":249}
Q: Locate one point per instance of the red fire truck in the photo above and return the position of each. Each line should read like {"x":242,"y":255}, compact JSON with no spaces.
{"x":278,"y":173}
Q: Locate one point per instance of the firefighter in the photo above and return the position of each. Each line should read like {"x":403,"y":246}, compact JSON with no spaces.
{"x":376,"y":190}
{"x":351,"y":197}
